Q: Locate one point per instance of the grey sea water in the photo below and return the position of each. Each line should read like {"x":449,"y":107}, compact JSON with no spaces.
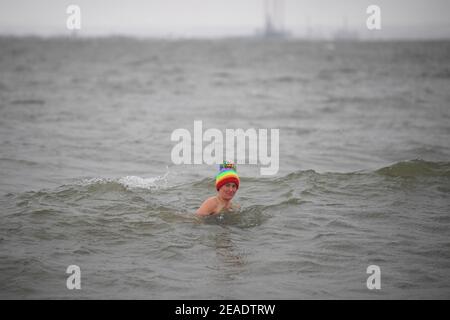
{"x":86,"y":176}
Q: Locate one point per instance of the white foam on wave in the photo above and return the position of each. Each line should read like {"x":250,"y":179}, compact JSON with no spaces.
{"x":130,"y":182}
{"x":90,"y":181}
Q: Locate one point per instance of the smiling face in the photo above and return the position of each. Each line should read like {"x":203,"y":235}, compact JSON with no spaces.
{"x":227,"y":191}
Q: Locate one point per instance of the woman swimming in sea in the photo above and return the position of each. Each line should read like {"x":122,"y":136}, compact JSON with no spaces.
{"x":227,"y":184}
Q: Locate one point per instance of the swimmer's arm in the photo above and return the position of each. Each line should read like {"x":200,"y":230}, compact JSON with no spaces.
{"x":207,"y":208}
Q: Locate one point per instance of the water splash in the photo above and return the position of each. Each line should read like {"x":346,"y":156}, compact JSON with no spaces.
{"x":130,"y":182}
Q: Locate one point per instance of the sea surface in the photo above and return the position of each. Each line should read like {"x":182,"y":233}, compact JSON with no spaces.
{"x":87,"y":178}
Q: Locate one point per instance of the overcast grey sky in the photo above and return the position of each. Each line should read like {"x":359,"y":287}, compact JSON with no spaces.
{"x":197,"y":18}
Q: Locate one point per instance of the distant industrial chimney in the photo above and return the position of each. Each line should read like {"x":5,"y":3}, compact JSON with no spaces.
{"x":274,"y":19}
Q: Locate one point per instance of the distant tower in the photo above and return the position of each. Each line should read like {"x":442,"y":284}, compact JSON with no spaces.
{"x":274,"y":19}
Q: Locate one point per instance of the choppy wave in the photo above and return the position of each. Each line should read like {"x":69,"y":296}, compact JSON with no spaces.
{"x":416,"y":168}
{"x":410,"y":168}
{"x":259,"y":195}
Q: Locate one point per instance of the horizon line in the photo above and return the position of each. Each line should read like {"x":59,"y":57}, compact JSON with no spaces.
{"x":75,"y":36}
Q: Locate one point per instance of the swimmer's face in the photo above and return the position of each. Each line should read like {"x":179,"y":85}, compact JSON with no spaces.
{"x":227,"y":191}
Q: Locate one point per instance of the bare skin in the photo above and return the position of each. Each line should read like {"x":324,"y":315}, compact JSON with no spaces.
{"x":222,"y":201}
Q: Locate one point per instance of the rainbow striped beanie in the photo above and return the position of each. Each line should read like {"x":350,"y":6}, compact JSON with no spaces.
{"x":226,"y":175}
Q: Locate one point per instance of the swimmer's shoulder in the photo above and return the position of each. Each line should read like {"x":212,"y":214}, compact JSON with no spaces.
{"x":213,"y":201}
{"x":208,"y":207}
